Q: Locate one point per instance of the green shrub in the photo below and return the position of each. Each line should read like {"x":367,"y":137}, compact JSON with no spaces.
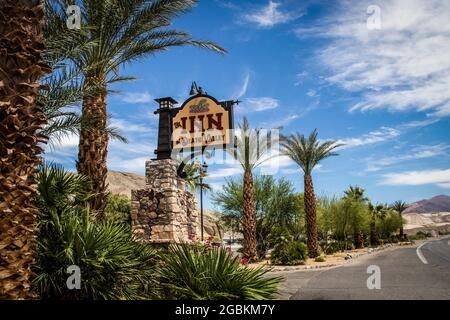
{"x":112,"y":265}
{"x":191,"y":272}
{"x":394,"y":239}
{"x":289,"y":253}
{"x":331,"y":248}
{"x":319,"y":259}
{"x":346,"y":245}
{"x":420,"y":235}
{"x":118,"y":208}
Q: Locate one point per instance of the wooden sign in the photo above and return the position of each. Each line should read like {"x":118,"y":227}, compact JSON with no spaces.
{"x":200,"y":122}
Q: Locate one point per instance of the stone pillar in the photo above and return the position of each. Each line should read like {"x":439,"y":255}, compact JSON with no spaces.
{"x":163,"y":212}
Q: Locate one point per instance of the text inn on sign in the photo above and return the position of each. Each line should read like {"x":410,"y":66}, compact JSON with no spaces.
{"x":200,"y":122}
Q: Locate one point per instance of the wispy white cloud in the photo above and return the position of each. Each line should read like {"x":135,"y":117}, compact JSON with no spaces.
{"x":403,"y":66}
{"x":67,"y":141}
{"x":311,"y":93}
{"x":135,"y":165}
{"x":270,"y":15}
{"x":376,"y":136}
{"x":130,"y":127}
{"x":419,"y":123}
{"x":258,"y":104}
{"x":244,"y":87}
{"x":280,"y":123}
{"x":225,"y":172}
{"x":384,"y":134}
{"x":439,"y":177}
{"x":421,"y":152}
{"x":136,"y":97}
{"x":300,"y":78}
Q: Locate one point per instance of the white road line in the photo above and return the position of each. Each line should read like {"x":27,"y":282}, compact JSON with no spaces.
{"x":420,"y":255}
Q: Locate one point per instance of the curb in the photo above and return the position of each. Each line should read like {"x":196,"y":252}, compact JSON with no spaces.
{"x":353,"y":257}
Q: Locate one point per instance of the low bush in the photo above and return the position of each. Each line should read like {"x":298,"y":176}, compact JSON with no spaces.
{"x":421,"y":235}
{"x":394,"y":239}
{"x":112,"y":264}
{"x":331,"y":248}
{"x":191,"y":272}
{"x":289,"y":253}
{"x":118,"y":208}
{"x":319,"y":259}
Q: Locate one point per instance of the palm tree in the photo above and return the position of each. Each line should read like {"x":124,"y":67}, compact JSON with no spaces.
{"x":250,"y":153}
{"x":124,"y":31}
{"x":194,"y":176}
{"x":20,"y":121}
{"x":378,"y":211}
{"x":307,"y":152}
{"x":356,"y":193}
{"x":399,"y":207}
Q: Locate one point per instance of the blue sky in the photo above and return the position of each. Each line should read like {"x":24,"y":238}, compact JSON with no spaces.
{"x":304,"y":65}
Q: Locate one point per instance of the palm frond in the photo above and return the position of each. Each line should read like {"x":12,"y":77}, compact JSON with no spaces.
{"x":308,"y":152}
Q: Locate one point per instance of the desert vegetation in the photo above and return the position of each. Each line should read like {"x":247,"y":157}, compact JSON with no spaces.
{"x":57,"y":83}
{"x":344,"y":223}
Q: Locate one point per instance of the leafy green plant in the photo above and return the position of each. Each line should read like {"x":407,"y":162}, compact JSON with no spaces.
{"x":319,"y":259}
{"x":59,"y":189}
{"x":331,"y":247}
{"x":420,"y":235}
{"x":190,"y":272}
{"x":112,"y":264}
{"x":118,"y":209}
{"x":288,"y":252}
{"x":276,"y":204}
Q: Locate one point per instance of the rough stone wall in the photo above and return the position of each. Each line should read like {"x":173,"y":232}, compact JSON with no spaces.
{"x":163,"y":212}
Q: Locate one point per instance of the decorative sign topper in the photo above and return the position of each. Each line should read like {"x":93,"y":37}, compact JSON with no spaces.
{"x":200,"y":122}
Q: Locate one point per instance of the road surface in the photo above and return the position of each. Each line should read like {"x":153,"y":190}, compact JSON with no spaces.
{"x":420,"y":272}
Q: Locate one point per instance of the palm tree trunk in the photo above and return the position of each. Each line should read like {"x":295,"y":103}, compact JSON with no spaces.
{"x":358,"y":240}
{"x":93,"y":148}
{"x":22,"y":44}
{"x":311,"y":223}
{"x":250,"y":251}
{"x":373,"y":234}
{"x":402,"y":235}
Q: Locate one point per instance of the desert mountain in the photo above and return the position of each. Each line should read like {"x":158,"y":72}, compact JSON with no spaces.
{"x":439,"y":203}
{"x":123,"y":182}
{"x":429,"y":215}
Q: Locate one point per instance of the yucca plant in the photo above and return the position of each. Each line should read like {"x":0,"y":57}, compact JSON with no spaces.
{"x":191,"y":272}
{"x":112,"y":264}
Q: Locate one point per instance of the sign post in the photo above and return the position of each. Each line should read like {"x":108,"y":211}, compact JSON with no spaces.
{"x":164,"y":212}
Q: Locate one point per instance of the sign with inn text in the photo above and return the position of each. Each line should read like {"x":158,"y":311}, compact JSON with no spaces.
{"x":201,"y":121}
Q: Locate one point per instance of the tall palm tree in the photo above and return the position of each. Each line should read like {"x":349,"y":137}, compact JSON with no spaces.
{"x":377,"y":211}
{"x":356,"y":193}
{"x":125,"y":31}
{"x":250,"y":151}
{"x":399,"y":207}
{"x":21,"y":119}
{"x":307,"y":152}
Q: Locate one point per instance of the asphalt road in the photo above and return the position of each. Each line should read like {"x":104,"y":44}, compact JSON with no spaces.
{"x":405,"y":273}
